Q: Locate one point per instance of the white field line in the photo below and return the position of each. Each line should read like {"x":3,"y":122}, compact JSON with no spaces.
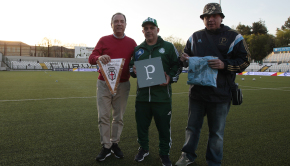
{"x":48,"y":99}
{"x":253,"y":88}
{"x":259,"y":88}
{"x":70,"y":98}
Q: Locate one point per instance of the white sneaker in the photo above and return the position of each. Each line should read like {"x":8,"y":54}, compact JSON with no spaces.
{"x":183,"y":160}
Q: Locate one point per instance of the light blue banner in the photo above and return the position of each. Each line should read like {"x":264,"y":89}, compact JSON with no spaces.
{"x":281,"y":49}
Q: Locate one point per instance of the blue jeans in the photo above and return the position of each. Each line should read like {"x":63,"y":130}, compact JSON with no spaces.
{"x":216,"y":116}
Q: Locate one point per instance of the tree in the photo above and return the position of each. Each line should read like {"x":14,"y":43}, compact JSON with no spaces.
{"x":286,"y":25}
{"x":259,"y":28}
{"x":46,"y":46}
{"x":282,"y":38}
{"x":72,"y":45}
{"x":177,"y":42}
{"x":257,"y":38}
{"x":260,"y":45}
{"x":54,"y":47}
{"x":283,"y":35}
{"x":243,"y":29}
{"x":49,"y":42}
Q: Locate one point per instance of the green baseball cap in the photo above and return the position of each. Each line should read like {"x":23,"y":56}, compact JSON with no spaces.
{"x":150,"y":20}
{"x":212,"y":8}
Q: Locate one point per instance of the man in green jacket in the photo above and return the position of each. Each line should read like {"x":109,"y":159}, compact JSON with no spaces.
{"x":155,"y":101}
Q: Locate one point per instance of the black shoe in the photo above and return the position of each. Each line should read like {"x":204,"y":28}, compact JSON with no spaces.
{"x":104,"y":153}
{"x":141,"y":154}
{"x":165,"y":160}
{"x":117,"y":151}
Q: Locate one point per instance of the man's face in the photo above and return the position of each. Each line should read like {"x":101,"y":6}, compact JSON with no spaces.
{"x":212,"y":22}
{"x":118,"y":24}
{"x":150,"y":32}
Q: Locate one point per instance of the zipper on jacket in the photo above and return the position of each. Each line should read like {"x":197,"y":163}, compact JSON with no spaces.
{"x":149,"y":95}
{"x":168,"y":90}
{"x":149,"y":86}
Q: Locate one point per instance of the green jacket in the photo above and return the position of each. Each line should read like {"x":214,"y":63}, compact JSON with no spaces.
{"x":169,"y":55}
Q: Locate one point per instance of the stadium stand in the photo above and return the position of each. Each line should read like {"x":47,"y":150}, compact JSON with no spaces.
{"x":44,"y":63}
{"x":283,"y":67}
{"x":272,"y":63}
{"x":254,"y":67}
{"x":2,"y":65}
{"x":264,"y":68}
{"x":277,"y":58}
{"x":25,"y":65}
{"x":268,"y":67}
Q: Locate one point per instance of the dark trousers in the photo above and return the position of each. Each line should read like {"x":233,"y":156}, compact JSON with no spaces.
{"x":216,"y":116}
{"x":161,"y":111}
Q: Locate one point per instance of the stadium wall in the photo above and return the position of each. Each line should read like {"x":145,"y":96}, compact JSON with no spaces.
{"x":46,"y":59}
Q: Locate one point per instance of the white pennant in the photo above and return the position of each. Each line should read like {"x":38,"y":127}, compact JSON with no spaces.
{"x":112,"y":73}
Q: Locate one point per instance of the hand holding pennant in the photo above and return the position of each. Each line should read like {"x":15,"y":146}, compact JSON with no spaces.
{"x":112,"y":73}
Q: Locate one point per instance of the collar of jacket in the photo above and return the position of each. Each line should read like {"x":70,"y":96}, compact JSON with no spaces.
{"x":223,"y":28}
{"x":145,"y":45}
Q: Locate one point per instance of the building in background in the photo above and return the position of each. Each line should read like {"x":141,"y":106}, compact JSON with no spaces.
{"x":83,"y":52}
{"x":14,"y":48}
{"x":17,"y":48}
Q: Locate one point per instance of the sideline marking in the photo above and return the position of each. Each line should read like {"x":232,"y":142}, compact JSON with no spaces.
{"x":259,"y":88}
{"x":48,"y":99}
{"x":68,"y":98}
{"x":254,"y":88}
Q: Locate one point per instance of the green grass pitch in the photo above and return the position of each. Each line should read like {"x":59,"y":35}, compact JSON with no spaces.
{"x":50,"y":118}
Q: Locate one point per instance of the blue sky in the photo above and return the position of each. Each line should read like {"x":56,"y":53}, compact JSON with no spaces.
{"x":86,"y":21}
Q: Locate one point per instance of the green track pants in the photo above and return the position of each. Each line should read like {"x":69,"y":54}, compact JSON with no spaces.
{"x":161,"y":111}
